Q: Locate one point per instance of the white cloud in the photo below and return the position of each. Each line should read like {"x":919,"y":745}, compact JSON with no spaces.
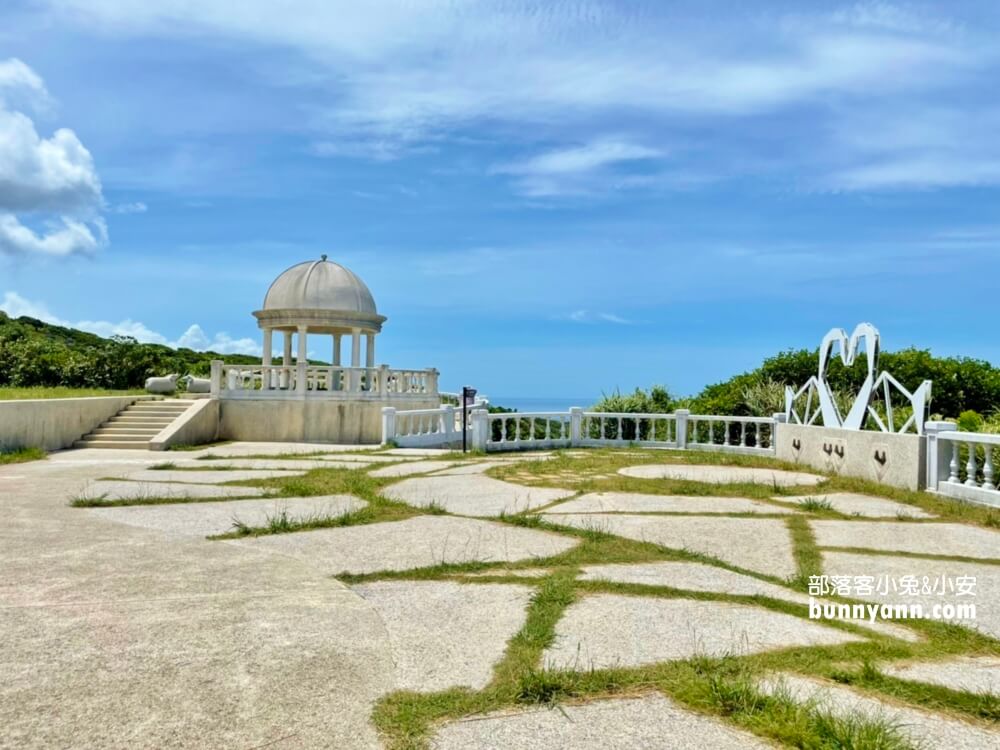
{"x":63,"y":236}
{"x":54,"y":177}
{"x":409,"y":66}
{"x":17,"y":306}
{"x":14,"y":74}
{"x":193,"y":338}
{"x":385,"y":77}
{"x":136,"y":207}
{"x":576,"y":169}
{"x":924,"y":170}
{"x":919,"y":147}
{"x":586,"y":316}
{"x":584,"y":158}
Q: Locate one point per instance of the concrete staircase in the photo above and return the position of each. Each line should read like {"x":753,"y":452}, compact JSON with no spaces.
{"x":135,"y":425}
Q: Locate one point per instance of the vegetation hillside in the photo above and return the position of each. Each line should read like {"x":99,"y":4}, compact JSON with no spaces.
{"x":960,"y":385}
{"x":34,"y":353}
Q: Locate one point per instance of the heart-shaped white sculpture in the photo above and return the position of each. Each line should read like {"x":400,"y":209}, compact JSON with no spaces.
{"x":874,"y":383}
{"x":863,"y":332}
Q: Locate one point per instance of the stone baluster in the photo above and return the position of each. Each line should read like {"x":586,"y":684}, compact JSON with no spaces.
{"x":953,"y":465}
{"x":970,"y":467}
{"x":988,"y":467}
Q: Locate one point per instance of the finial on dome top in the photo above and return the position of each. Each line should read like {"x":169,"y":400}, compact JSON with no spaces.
{"x":322,"y":257}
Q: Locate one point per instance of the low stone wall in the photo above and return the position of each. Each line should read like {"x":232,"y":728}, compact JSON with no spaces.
{"x":308,"y":420}
{"x":54,"y":423}
{"x":198,"y":425}
{"x":897,"y":460}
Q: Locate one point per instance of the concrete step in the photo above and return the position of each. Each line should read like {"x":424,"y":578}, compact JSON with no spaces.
{"x":149,"y":432}
{"x":121,"y":444}
{"x":152,"y":413}
{"x":139,"y":424}
{"x":135,"y":426}
{"x":122,"y":438}
{"x":145,"y":416}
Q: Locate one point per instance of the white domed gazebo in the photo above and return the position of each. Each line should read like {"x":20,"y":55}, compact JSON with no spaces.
{"x":295,"y":400}
{"x":320,"y":297}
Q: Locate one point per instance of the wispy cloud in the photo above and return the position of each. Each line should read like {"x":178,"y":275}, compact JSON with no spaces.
{"x":576,"y":169}
{"x":586,"y":316}
{"x":387,"y":79}
{"x":135,"y":207}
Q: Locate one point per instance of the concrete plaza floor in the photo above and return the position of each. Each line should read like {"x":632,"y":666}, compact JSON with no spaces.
{"x":126,"y":627}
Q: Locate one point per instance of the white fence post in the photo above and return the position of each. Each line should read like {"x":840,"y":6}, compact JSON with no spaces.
{"x":448,"y":422}
{"x":388,"y":424}
{"x":938,"y":459}
{"x":575,"y":425}
{"x":216,"y":377}
{"x":681,"y":427}
{"x":480,"y":429}
{"x":779,"y":418}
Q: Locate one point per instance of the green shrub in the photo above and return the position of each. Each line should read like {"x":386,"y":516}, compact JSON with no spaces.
{"x":970,"y":421}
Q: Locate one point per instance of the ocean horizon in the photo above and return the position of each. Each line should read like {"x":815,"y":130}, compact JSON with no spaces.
{"x":541,"y":403}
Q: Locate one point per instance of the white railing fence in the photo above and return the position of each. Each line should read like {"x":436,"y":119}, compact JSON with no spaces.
{"x":603,"y":428}
{"x":963,"y":465}
{"x":268,"y":381}
{"x":526,"y":430}
{"x":753,"y":435}
{"x":425,"y":428}
{"x":516,"y":431}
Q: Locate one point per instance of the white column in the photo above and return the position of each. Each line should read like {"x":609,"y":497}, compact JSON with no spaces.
{"x":303,"y":360}
{"x":303,"y":344}
{"x":286,"y":359}
{"x":266,"y":360}
{"x":336,"y":349}
{"x":356,"y":347}
{"x":370,"y":350}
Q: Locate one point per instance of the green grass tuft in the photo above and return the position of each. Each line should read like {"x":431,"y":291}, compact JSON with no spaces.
{"x":22,"y":455}
{"x":815,"y":504}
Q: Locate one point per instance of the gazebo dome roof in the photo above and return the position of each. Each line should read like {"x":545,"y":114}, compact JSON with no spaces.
{"x":320,"y":285}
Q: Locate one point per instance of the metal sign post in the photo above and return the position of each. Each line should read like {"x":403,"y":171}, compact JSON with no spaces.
{"x":468,"y":396}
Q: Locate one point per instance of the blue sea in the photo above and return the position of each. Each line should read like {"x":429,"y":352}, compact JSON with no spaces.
{"x":536,"y":403}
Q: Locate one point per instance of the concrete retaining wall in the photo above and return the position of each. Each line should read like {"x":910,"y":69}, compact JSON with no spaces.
{"x":897,"y":460}
{"x":198,"y":425}
{"x":54,"y":423}
{"x":308,"y":420}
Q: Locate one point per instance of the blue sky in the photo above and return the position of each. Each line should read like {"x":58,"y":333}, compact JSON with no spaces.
{"x":546,"y":198}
